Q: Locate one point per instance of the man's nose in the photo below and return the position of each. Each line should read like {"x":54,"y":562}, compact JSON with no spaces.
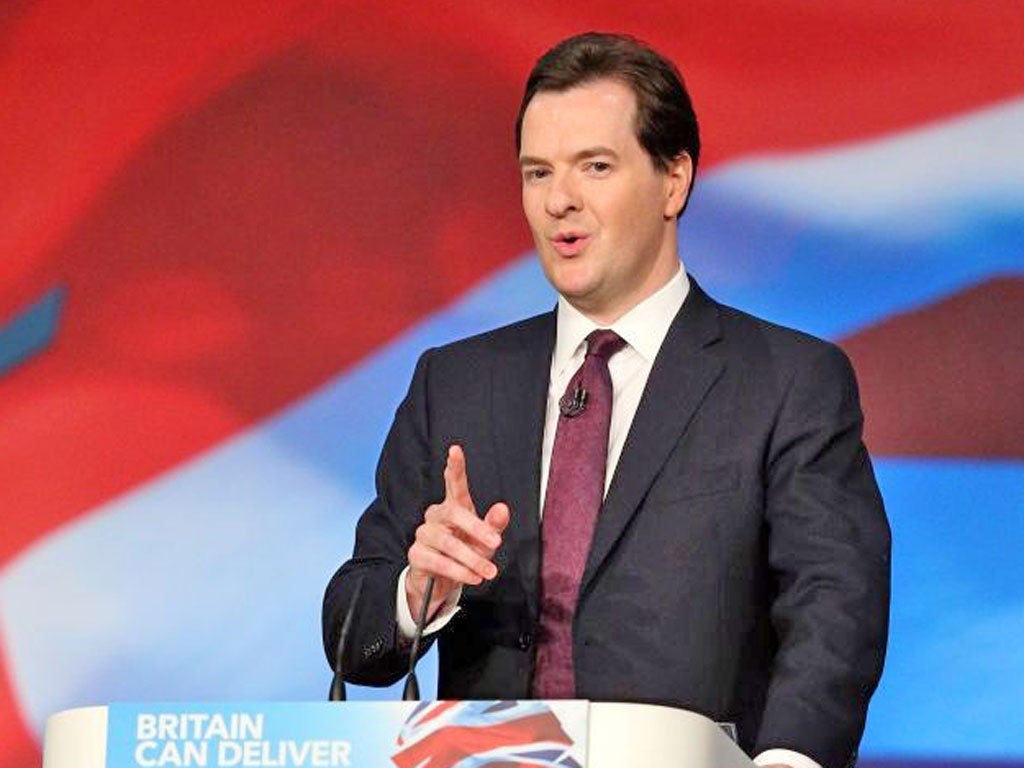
{"x":562,"y":196}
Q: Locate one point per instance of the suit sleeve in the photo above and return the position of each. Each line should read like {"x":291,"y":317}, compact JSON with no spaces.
{"x":374,"y":652}
{"x":828,"y":550}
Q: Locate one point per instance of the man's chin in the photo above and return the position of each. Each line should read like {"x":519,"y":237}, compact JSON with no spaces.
{"x":570,"y":279}
{"x":586,"y":301}
{"x":578,"y":294}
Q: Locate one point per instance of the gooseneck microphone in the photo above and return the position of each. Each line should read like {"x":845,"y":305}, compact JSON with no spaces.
{"x":338,"y":684}
{"x":412,"y":686}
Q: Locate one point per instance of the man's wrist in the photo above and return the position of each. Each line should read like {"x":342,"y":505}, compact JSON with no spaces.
{"x":403,"y":613}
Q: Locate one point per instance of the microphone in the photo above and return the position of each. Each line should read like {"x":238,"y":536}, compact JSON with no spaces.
{"x":573,"y":405}
{"x":412,"y":686}
{"x":338,"y":684}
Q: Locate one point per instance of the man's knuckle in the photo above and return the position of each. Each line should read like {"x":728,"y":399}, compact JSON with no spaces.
{"x":432,"y":562}
{"x":452,"y":571}
{"x":445,"y":541}
{"x":415,"y":560}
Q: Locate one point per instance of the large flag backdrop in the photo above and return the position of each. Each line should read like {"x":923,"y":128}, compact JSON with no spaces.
{"x":228,"y":229}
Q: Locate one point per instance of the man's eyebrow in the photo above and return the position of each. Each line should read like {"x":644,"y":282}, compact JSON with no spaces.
{"x":583,"y":154}
{"x":525,"y":160}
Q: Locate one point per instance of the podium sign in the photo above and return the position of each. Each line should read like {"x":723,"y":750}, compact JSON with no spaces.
{"x":429,"y":734}
{"x":316,"y":735}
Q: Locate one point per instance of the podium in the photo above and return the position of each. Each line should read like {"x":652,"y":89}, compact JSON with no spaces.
{"x":570,"y":734}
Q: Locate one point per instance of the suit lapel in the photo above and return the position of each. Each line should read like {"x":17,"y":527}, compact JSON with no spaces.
{"x":519,"y":387}
{"x":683,"y":374}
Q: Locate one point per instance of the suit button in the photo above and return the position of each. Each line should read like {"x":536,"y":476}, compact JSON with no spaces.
{"x":525,"y":641}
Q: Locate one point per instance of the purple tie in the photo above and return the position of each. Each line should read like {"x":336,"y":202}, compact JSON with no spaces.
{"x":574,"y":495}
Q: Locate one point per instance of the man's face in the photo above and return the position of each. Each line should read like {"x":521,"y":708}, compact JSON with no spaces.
{"x":602,"y":215}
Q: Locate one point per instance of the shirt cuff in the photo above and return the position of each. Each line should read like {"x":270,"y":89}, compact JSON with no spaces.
{"x":407,"y":624}
{"x":785,"y":757}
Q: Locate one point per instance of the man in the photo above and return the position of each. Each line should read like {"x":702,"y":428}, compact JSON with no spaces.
{"x":644,"y":495}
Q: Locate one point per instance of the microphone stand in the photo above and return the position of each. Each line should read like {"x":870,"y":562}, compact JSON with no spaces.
{"x":412,"y":686}
{"x":338,"y":683}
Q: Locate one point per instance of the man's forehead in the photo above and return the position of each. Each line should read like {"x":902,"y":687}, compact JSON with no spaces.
{"x":599,"y":113}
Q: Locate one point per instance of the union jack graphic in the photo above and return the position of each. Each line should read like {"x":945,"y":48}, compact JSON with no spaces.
{"x":474,"y":734}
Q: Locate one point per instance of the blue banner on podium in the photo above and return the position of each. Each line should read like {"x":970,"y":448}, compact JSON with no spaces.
{"x":430,"y":734}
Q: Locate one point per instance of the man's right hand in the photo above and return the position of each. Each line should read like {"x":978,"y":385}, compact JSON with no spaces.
{"x":453,"y":544}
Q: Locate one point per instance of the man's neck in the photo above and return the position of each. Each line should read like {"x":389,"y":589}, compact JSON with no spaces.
{"x":605,"y":317}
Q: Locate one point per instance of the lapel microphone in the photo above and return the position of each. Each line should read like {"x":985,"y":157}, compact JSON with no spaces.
{"x":573,"y":405}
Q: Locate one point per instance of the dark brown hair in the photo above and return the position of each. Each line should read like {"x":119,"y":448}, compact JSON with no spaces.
{"x":666,"y":124}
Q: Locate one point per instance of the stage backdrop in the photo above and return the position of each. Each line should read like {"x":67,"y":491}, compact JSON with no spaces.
{"x":228,"y":229}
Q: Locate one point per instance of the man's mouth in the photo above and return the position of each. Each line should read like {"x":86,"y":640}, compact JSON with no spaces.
{"x":569,"y":243}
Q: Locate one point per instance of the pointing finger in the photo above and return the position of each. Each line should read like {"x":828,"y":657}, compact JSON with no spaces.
{"x":456,"y":483}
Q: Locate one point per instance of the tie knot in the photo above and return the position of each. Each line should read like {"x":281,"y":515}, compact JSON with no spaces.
{"x":604,"y":343}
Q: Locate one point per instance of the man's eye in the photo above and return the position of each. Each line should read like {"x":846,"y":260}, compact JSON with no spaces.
{"x":599,"y":166}
{"x":535,"y":174}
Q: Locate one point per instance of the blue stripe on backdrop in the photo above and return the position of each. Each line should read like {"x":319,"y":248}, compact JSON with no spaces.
{"x":831,"y":283}
{"x":955,"y":671}
{"x":833,"y":240}
{"x":31,"y":331}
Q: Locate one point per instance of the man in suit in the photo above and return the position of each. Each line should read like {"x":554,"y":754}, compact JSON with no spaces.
{"x":643,"y":495}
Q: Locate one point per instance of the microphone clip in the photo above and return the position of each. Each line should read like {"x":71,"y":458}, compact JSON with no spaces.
{"x":573,"y":405}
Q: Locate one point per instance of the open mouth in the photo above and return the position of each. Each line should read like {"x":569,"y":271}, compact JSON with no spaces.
{"x":569,"y":243}
{"x":569,"y":237}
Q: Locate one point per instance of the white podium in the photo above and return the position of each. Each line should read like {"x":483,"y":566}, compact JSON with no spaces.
{"x":616,"y":735}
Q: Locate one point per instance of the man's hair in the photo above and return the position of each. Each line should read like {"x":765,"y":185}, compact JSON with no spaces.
{"x":666,"y":124}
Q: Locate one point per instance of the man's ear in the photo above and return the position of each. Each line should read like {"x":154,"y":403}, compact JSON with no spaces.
{"x":678,"y":179}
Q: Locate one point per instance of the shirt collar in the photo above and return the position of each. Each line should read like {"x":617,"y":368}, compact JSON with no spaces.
{"x":644,"y":327}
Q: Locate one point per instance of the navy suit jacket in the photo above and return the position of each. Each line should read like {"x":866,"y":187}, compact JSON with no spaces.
{"x":740,"y":563}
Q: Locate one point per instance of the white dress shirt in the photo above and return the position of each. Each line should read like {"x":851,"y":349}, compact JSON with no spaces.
{"x":643,"y":329}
